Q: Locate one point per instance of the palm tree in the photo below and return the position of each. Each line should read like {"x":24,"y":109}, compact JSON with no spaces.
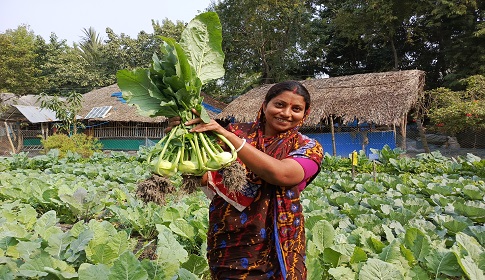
{"x":90,"y":47}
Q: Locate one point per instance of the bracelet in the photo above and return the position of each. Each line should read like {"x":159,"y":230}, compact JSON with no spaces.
{"x":242,"y":145}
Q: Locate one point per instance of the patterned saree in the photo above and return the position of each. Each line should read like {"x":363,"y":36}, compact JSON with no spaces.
{"x":259,"y":232}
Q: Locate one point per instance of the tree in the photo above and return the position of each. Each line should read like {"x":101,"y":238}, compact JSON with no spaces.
{"x":90,"y":56}
{"x":19,"y":72}
{"x":442,"y":38}
{"x":51,"y":59}
{"x":261,"y":40}
{"x":66,"y":110}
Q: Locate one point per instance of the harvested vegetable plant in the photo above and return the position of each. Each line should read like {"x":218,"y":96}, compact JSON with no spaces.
{"x":171,"y":87}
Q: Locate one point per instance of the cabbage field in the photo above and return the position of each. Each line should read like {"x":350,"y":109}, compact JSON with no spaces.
{"x":392,"y":218}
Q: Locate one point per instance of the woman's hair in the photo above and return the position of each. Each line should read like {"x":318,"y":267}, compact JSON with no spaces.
{"x":294,"y":86}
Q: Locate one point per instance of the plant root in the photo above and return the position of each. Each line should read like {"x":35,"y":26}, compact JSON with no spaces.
{"x":190,"y":183}
{"x":154,"y":189}
{"x":234,"y":177}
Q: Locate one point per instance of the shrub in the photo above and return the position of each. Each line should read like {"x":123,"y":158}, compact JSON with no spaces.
{"x":455,"y":111}
{"x":81,"y":144}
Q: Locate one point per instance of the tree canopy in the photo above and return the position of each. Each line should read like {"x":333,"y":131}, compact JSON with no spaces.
{"x":267,"y":41}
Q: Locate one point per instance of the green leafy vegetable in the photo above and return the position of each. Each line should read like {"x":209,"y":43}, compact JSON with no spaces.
{"x":171,"y":87}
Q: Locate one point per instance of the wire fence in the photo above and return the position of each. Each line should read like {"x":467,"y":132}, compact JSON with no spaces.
{"x":131,"y":137}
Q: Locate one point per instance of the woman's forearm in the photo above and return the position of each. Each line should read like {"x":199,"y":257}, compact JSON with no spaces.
{"x":285,"y":172}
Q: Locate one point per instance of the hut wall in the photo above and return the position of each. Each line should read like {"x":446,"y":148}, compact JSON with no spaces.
{"x":347,"y":142}
{"x":125,"y":135}
{"x":351,"y":137}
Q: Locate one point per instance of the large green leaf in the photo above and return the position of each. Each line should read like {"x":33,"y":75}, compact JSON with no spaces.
{"x":342,"y":273}
{"x":34,"y":268}
{"x":183,"y":67}
{"x":323,"y":235}
{"x":443,"y":261}
{"x":202,"y":39}
{"x":171,"y":254}
{"x":471,"y":269}
{"x":196,"y":264}
{"x":102,"y":253}
{"x":375,"y":269}
{"x":184,"y":274}
{"x":28,"y":249}
{"x":470,"y":245}
{"x":392,"y":252}
{"x":418,"y":243}
{"x":57,"y":243}
{"x":88,"y":272}
{"x":27,"y":216}
{"x":479,"y":233}
{"x":77,"y":247}
{"x":474,"y":210}
{"x":138,"y":89}
{"x":46,"y":221}
{"x":183,"y":228}
{"x":127,"y":267}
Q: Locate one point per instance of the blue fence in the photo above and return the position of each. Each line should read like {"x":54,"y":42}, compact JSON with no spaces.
{"x":347,"y":142}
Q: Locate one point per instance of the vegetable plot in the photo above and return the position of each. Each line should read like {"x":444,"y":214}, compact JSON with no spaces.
{"x":78,"y":218}
{"x":171,"y":87}
{"x":400,"y":224}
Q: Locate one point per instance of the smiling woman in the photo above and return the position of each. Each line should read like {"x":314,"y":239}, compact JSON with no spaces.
{"x":257,"y":231}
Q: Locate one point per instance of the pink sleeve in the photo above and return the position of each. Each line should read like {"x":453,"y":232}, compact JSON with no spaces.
{"x":309,"y":167}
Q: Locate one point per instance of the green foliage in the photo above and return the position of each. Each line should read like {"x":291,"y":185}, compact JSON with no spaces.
{"x":81,"y":144}
{"x":171,"y":87}
{"x":79,"y":218}
{"x":264,"y":42}
{"x":456,"y":111}
{"x":19,"y":72}
{"x":401,"y":222}
{"x":66,"y":110}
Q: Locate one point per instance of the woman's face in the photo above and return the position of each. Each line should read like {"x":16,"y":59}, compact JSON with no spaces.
{"x":283,"y":112}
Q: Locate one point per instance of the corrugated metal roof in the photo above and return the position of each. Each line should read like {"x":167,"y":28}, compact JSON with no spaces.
{"x":36,"y":114}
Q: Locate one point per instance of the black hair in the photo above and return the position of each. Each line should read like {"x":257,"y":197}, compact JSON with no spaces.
{"x":294,"y":86}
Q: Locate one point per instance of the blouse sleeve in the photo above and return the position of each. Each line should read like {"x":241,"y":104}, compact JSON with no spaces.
{"x":309,"y":167}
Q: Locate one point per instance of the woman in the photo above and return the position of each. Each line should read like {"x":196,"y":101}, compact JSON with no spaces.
{"x":258,"y":232}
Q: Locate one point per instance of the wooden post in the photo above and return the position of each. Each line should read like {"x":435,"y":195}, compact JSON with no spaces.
{"x":332,"y":130}
{"x":8,"y":136}
{"x":422,"y":135}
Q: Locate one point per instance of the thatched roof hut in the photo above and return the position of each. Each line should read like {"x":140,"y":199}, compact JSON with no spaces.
{"x":381,"y":98}
{"x":120,"y":111}
{"x":124,"y":112}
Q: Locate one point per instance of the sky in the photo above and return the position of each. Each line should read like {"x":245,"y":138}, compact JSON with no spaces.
{"x":68,"y":18}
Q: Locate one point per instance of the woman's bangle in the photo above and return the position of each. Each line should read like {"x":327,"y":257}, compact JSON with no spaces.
{"x":242,"y":145}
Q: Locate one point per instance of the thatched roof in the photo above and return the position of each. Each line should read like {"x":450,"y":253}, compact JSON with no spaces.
{"x":122,"y":111}
{"x":382,"y":98}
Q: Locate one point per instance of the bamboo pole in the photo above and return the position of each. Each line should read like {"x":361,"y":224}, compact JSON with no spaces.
{"x":332,"y":129}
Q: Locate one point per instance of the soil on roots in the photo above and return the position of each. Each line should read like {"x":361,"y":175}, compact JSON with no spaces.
{"x":190,"y":183}
{"x":234,"y":177}
{"x":154,"y":189}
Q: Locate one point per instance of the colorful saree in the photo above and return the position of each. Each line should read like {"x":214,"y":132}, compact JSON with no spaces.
{"x":259,"y":233}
